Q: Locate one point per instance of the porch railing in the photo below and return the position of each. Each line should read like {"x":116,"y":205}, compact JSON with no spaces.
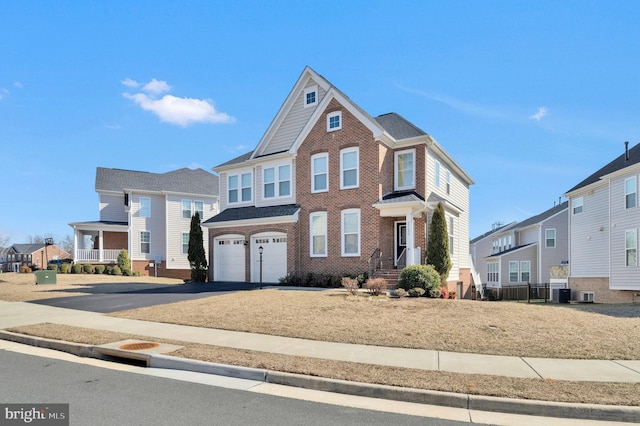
{"x":91,"y":255}
{"x":375,"y":261}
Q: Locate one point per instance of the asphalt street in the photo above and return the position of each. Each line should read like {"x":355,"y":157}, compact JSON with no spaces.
{"x":113,"y":302}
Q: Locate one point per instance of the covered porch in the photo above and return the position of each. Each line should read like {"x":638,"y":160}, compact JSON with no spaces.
{"x":99,"y":242}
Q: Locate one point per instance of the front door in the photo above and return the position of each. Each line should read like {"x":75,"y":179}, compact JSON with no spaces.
{"x":400,"y":254}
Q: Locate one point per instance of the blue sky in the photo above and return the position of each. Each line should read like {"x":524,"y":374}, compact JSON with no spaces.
{"x":528,"y":97}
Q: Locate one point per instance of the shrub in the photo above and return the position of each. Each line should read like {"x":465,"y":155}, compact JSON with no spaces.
{"x":444,"y":292}
{"x":422,"y":276}
{"x":136,"y":273}
{"x":312,"y":280}
{"x":116,"y":270}
{"x":99,"y":269}
{"x":25,"y":269}
{"x":124,"y":262}
{"x":416,"y":292}
{"x":376,"y":286}
{"x":76,"y":268}
{"x":452,"y":294}
{"x":350,"y":284}
{"x":65,"y":268}
{"x":127,"y":272}
{"x":52,"y":267}
{"x":399,"y":292}
{"x":87,"y":268}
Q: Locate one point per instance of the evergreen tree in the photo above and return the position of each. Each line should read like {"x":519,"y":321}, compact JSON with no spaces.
{"x":124,"y":262}
{"x":196,"y":254}
{"x":438,"y":244}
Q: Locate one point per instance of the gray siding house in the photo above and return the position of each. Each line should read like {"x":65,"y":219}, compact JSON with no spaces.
{"x":523,"y":252}
{"x":604,"y":224}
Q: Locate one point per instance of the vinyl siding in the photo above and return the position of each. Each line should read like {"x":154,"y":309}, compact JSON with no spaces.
{"x":622,"y":219}
{"x":154,"y":224}
{"x":589,"y":243}
{"x":112,"y":208}
{"x":529,"y":253}
{"x":293,"y":123}
{"x":551,"y":256}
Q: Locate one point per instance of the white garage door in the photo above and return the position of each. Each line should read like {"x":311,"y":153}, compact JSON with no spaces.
{"x":274,"y":257}
{"x":228,"y":253}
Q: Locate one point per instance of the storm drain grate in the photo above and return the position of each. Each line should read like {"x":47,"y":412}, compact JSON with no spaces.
{"x":139,"y":346}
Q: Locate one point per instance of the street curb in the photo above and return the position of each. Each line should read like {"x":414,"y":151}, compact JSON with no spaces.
{"x":610,"y":413}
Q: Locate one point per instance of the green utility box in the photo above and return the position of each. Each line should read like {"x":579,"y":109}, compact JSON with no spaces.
{"x":46,"y":277}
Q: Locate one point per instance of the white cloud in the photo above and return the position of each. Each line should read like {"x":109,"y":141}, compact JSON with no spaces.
{"x":172,"y":109}
{"x":542,"y":111}
{"x":156,"y":87}
{"x":17,"y":84}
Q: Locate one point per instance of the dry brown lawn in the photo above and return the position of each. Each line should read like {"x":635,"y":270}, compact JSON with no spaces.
{"x":516,"y":329}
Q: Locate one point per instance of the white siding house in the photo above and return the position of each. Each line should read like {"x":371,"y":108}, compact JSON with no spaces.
{"x":604,"y":225}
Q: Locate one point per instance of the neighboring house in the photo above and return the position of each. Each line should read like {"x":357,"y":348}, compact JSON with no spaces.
{"x":149,"y":215}
{"x":523,"y":252}
{"x":603,"y":227}
{"x":331,"y":190}
{"x":35,"y":256}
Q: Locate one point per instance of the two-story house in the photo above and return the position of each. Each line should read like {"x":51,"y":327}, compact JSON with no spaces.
{"x":604,"y":222}
{"x":330,"y":189}
{"x":149,"y":215}
{"x":35,"y":256}
{"x":523,"y":252}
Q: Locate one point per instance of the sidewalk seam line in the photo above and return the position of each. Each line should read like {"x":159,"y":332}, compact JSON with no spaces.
{"x":531,"y":367}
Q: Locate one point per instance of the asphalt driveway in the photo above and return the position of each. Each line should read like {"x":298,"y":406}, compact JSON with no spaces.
{"x":113,"y":302}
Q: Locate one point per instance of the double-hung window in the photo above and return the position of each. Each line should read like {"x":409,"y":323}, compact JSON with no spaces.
{"x":493,"y":272}
{"x":437,"y":174}
{"x":350,"y":232}
{"x":576,"y":205}
{"x":318,"y":234}
{"x":239,"y":188}
{"x":185,"y":243}
{"x":525,"y":271}
{"x":349,"y":160}
{"x":145,"y":207}
{"x":513,"y":271}
{"x":405,"y":167}
{"x":186,"y":209}
{"x":198,"y":207}
{"x":450,"y":230}
{"x":550,"y":238}
{"x":145,"y":242}
{"x":319,"y":175}
{"x":630,"y":191}
{"x":631,"y":247}
{"x":277,"y":181}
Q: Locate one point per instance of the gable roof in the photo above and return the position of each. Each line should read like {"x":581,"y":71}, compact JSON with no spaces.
{"x":27,"y":248}
{"x":493,"y":231}
{"x":186,"y":181}
{"x":619,"y":163}
{"x":251,"y":213}
{"x":543,"y":216}
{"x":399,"y":127}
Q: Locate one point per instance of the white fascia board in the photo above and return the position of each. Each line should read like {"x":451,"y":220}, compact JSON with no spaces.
{"x":584,"y":190}
{"x":253,"y":222}
{"x":96,"y":226}
{"x":442,"y":154}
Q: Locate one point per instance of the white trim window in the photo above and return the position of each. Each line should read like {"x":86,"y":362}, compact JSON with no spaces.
{"x":277,"y":181}
{"x":350,"y":232}
{"x":630,"y":192}
{"x":525,"y":271}
{"x":349,"y":173}
{"x":318,"y":234}
{"x":239,"y":188}
{"x":405,"y":167}
{"x":549,"y":238}
{"x":198,"y":207}
{"x":186,"y":209}
{"x":447,"y":176}
{"x":334,"y":121}
{"x":450,"y":230}
{"x":493,"y":272}
{"x":310,"y":96}
{"x":145,"y":207}
{"x":185,"y":243}
{"x":631,"y":247}
{"x":577,"y":205}
{"x":145,"y":242}
{"x":319,"y":172}
{"x":514,"y":271}
{"x":437,"y":174}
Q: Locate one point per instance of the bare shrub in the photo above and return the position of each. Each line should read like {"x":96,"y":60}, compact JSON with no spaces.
{"x":350,"y":284}
{"x":376,"y":286}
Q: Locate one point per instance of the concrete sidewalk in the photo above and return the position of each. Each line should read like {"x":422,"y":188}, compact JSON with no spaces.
{"x":14,"y":314}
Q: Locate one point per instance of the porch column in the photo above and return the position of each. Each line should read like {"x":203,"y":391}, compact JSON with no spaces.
{"x":100,"y":246}
{"x":75,"y":243}
{"x":410,"y":240}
